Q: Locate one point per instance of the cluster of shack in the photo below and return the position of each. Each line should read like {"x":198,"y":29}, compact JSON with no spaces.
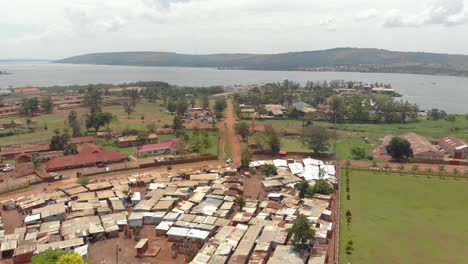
{"x":195,"y":211}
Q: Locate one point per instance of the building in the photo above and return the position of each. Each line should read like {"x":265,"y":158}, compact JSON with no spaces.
{"x":423,"y":150}
{"x":303,"y":107}
{"x":81,"y":140}
{"x":454,"y":147}
{"x":163,"y":147}
{"x":84,"y":159}
{"x":382,"y":90}
{"x":133,"y":140}
{"x":275,"y":110}
{"x":26,"y":90}
{"x":11,"y":152}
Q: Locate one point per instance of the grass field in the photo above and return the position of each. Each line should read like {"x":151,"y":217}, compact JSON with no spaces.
{"x":404,"y":219}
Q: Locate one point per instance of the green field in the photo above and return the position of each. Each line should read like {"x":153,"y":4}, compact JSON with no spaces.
{"x":404,"y":219}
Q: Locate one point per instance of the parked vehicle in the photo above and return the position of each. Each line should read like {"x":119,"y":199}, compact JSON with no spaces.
{"x":8,"y":167}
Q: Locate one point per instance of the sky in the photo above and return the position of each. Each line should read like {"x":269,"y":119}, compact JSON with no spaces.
{"x":54,"y":29}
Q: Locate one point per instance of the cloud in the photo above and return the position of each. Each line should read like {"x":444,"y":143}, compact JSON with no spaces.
{"x":328,"y":22}
{"x":90,"y":19}
{"x":366,"y":15}
{"x":440,"y":12}
{"x":162,"y":4}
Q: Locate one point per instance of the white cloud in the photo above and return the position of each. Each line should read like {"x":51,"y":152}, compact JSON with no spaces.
{"x":367,"y":14}
{"x":328,"y":22}
{"x":440,"y":12}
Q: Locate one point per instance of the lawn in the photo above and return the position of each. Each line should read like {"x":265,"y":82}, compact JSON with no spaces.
{"x":404,"y":219}
{"x":152,"y":112}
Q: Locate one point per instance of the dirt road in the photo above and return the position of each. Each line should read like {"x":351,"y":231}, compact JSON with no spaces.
{"x":230,"y":145}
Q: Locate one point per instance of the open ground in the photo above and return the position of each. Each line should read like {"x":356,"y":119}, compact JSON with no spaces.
{"x":403,"y":219}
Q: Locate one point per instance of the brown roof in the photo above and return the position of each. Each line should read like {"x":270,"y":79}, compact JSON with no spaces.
{"x":79,"y":140}
{"x":89,"y":148}
{"x":135,"y":138}
{"x":84,"y":159}
{"x":419,"y":144}
{"x":27,"y":90}
{"x":452,"y":143}
{"x":24,"y":149}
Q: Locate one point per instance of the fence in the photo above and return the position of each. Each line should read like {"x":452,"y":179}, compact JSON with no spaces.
{"x":176,"y":162}
{"x":421,"y":173}
{"x":13,"y":187}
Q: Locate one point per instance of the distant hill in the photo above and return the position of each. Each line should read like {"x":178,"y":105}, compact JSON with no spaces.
{"x":339,"y":59}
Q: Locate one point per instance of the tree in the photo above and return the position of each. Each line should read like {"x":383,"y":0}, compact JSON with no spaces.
{"x":177,"y":123}
{"x":94,"y":99}
{"x":72,"y":117}
{"x":415,"y":168}
{"x":171,"y":106}
{"x":76,"y":129}
{"x":220,"y":105}
{"x":71,"y":258}
{"x":441,"y":168}
{"x":273,"y":139}
{"x":128,"y":108}
{"x":98,"y":119}
{"x":270,"y":169}
{"x":133,"y":93}
{"x":246,"y":156}
{"x":205,"y":102}
{"x":29,"y":106}
{"x":59,"y":141}
{"x":301,"y":232}
{"x":142,"y":135}
{"x":182,"y":106}
{"x":240,"y":201}
{"x":243,"y":130}
{"x":315,"y":138}
{"x":83,"y":180}
{"x":151,"y":127}
{"x":192,"y":102}
{"x":303,"y":187}
{"x":322,"y":187}
{"x":70,"y":149}
{"x":358,"y":153}
{"x":47,"y":105}
{"x":50,"y":256}
{"x":399,"y":148}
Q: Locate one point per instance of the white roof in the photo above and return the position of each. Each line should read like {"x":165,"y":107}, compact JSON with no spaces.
{"x":311,"y":172}
{"x":136,"y":196}
{"x":164,"y":225}
{"x":31,"y":218}
{"x":330,"y":170}
{"x":196,"y":233}
{"x":201,"y":258}
{"x":310,"y":161}
{"x":274,"y":195}
{"x":280,"y":163}
{"x":296,"y":168}
{"x":83,"y":250}
{"x":178,"y":231}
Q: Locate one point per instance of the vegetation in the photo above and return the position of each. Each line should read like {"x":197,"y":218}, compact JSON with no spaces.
{"x":301,"y":232}
{"x":316,"y":138}
{"x":399,"y":148}
{"x":243,"y":130}
{"x":71,"y":258}
{"x":338,"y":59}
{"x":29,"y":106}
{"x":50,"y":256}
{"x":415,"y":220}
{"x":83,"y":180}
{"x":98,"y":119}
{"x":270,"y":169}
{"x":246,"y":157}
{"x":240,"y":201}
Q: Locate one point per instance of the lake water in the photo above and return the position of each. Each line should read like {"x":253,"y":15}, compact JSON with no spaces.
{"x":444,"y":92}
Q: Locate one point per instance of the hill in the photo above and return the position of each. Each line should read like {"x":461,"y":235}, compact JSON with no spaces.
{"x":339,"y":59}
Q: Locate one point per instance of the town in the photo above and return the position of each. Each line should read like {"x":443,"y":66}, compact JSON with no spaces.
{"x":149,"y":172}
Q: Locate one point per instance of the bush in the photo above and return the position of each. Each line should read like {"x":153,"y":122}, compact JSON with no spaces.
{"x":270,"y":169}
{"x":83,"y":180}
{"x":322,"y":187}
{"x":358,"y":153}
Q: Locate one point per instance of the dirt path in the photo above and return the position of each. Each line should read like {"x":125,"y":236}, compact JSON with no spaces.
{"x":230,"y":145}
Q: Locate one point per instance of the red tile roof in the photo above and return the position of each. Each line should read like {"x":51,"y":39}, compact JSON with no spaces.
{"x":27,"y":90}
{"x":84,"y":159}
{"x":166,"y":144}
